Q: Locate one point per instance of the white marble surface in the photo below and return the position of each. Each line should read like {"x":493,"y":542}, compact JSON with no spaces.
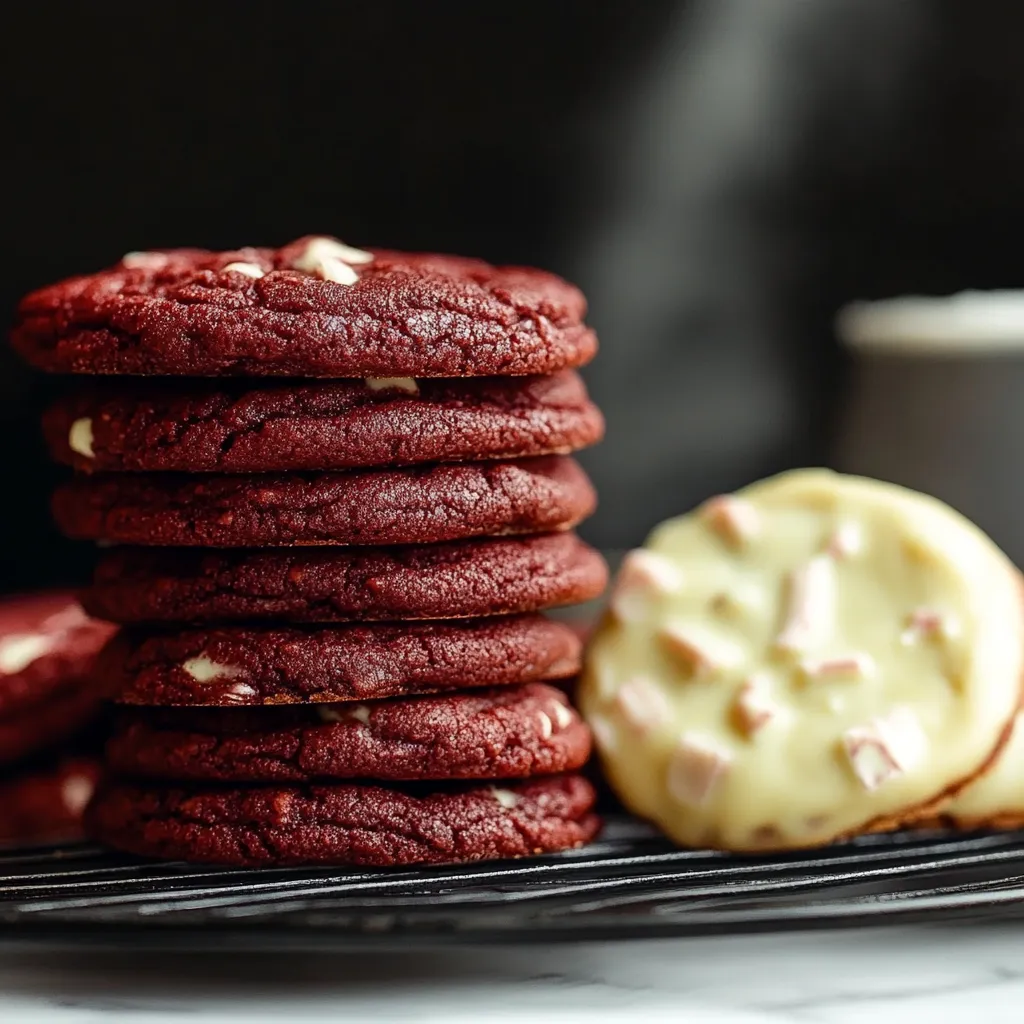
{"x":936,"y":974}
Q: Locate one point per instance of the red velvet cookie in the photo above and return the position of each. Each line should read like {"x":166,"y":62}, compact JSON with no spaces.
{"x":50,"y":720}
{"x":46,"y":805}
{"x":346,"y":823}
{"x":48,"y":687}
{"x":47,"y":644}
{"x":314,"y":308}
{"x":230,"y":427}
{"x":417,"y":505}
{"x":466,"y":579}
{"x":280,"y":665}
{"x":514,"y":732}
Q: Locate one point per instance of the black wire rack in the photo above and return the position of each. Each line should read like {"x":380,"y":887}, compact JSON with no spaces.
{"x":629,"y":884}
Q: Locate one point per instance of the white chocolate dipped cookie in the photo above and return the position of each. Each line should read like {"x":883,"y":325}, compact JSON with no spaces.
{"x":996,"y":798}
{"x":816,"y":656}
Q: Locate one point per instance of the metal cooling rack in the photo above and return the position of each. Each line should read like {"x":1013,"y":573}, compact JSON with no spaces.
{"x":630,"y":884}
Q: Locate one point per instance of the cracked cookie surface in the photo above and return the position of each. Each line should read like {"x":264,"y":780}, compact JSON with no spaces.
{"x":515,"y":732}
{"x":464,"y":579}
{"x":282,"y":665}
{"x":231,"y":427}
{"x":347,"y":823}
{"x":313,"y":308}
{"x":417,"y":505}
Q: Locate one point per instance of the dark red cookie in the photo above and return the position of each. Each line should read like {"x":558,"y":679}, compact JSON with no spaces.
{"x":280,"y":665}
{"x":47,"y":643}
{"x":347,"y":823}
{"x":301,"y":312}
{"x":46,"y":805}
{"x":515,"y":732}
{"x":233,"y":428}
{"x":418,"y":505}
{"x":50,"y":720}
{"x":466,"y":579}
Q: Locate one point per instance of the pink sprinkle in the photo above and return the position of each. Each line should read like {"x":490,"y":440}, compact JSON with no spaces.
{"x":703,"y":655}
{"x":695,"y":768}
{"x":811,"y":604}
{"x":735,"y":519}
{"x":927,"y":622}
{"x":846,"y":542}
{"x":753,"y":709}
{"x":643,"y":574}
{"x":885,"y":748}
{"x":856,"y":666}
{"x":643,"y":704}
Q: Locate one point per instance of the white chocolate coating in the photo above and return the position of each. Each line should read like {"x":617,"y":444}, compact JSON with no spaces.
{"x":999,"y":791}
{"x":791,"y":706}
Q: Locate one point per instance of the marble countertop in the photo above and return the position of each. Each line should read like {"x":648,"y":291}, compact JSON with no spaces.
{"x":951,"y":973}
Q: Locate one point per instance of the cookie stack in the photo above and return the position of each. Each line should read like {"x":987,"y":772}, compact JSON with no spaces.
{"x":50,"y":697}
{"x":332,"y":555}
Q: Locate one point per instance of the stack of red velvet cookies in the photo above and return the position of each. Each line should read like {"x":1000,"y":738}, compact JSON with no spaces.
{"x":350,"y":530}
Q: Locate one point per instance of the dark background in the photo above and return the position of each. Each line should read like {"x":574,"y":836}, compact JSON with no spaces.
{"x":719,"y":176}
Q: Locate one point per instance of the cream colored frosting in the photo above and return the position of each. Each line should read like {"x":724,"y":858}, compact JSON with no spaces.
{"x":783,"y":666}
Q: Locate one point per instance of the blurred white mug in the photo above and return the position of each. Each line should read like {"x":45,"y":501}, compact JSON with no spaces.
{"x":937,"y":403}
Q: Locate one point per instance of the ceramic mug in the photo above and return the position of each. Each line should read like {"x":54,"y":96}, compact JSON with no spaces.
{"x":937,"y":403}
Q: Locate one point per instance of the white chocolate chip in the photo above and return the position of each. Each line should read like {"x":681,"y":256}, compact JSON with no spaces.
{"x":885,"y":748}
{"x":80,"y":437}
{"x":704,"y":652}
{"x":643,"y":575}
{"x":76,"y":791}
{"x":70,"y":617}
{"x":810,"y":604}
{"x":203,"y":670}
{"x":847,"y":541}
{"x":563,"y":716}
{"x":407,"y":384}
{"x":858,"y":665}
{"x":929,"y":624}
{"x":505,"y":797}
{"x":344,"y":713}
{"x":642,"y":704}
{"x":320,"y":249}
{"x":336,"y":271}
{"x":144,"y":260}
{"x":360,"y":712}
{"x":331,"y":260}
{"x":754,"y":708}
{"x":695,"y":768}
{"x":546,"y":728}
{"x":734,"y":519}
{"x":237,"y":693}
{"x":248,"y":269}
{"x":19,"y":650}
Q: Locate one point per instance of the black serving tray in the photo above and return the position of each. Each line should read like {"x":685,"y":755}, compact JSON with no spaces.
{"x":630,"y":884}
